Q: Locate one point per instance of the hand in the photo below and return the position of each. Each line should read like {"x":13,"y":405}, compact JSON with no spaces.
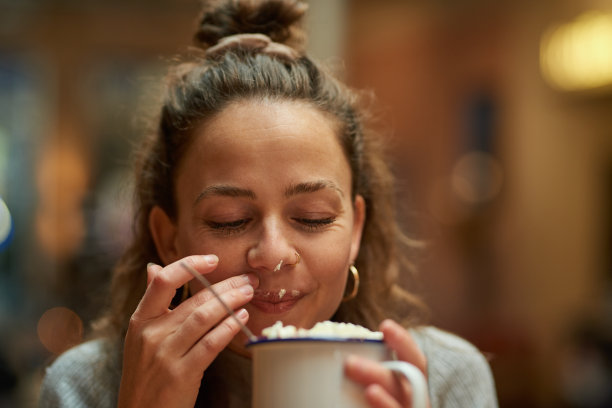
{"x":383,"y":388}
{"x":166,"y":351}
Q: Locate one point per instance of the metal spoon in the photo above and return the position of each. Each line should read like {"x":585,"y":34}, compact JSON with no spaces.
{"x":208,"y":286}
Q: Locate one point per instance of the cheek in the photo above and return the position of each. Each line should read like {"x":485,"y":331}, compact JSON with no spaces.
{"x":329,"y":266}
{"x":331,"y":276}
{"x":187,"y":242}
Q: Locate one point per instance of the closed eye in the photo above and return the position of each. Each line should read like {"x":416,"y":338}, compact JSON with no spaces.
{"x":229,"y":227}
{"x":314,"y":224}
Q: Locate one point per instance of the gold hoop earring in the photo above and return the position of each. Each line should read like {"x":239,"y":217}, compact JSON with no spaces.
{"x":353,"y":294}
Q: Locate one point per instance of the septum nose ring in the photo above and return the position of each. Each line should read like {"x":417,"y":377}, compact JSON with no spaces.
{"x":298,"y":258}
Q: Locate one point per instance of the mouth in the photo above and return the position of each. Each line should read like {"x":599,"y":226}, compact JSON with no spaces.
{"x":276,"y":301}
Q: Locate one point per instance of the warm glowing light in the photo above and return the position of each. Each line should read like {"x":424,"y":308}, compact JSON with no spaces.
{"x":62,"y":178}
{"x":477,"y":177}
{"x":578,"y":55}
{"x":59,"y":329}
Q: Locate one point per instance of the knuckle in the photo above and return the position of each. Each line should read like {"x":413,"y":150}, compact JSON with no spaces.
{"x":235,"y":282}
{"x":173,"y":370}
{"x":134,"y":322}
{"x":233,"y":298}
{"x":191,"y":260}
{"x":212,"y":344}
{"x":227,"y":285}
{"x":148,"y":336}
{"x":201,"y":316}
{"x":229,"y":326}
{"x":161,"y":279}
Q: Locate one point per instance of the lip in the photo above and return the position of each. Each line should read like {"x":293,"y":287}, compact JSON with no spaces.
{"x":276,"y":301}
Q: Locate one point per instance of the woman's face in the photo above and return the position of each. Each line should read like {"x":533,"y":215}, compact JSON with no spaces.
{"x":261,"y":182}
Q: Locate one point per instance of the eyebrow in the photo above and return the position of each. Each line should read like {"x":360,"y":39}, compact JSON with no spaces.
{"x":311,"y":187}
{"x":224,"y":191}
{"x":294,"y":189}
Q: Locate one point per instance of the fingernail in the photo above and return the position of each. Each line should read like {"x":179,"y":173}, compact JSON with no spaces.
{"x":246,"y":289}
{"x":211,"y":259}
{"x":251,"y":279}
{"x":387,"y":324}
{"x":242,"y":313}
{"x":151,"y":265}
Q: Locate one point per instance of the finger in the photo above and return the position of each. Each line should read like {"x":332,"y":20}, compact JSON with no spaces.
{"x":367,"y":372}
{"x":378,"y":397}
{"x":152,"y":270}
{"x":400,"y":340}
{"x":164,"y":283}
{"x":203,"y":318}
{"x":207,"y":349}
{"x":204,"y":295}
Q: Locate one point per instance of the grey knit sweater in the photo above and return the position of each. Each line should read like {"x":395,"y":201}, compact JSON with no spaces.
{"x":89,"y":375}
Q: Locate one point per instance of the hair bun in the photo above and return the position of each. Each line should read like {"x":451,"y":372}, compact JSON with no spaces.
{"x":278,"y":19}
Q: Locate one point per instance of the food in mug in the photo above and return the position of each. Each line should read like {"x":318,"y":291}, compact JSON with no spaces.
{"x":326,"y":329}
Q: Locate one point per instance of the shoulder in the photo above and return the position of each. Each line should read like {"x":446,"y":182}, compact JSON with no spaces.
{"x":458,"y":373}
{"x":87,"y":375}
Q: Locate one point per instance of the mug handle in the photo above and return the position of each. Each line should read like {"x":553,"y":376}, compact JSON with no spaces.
{"x":416,"y":378}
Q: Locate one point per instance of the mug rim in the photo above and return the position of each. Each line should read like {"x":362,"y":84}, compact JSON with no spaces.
{"x":264,"y":340}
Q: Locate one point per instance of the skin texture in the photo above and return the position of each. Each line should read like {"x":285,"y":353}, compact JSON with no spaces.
{"x":261,"y":182}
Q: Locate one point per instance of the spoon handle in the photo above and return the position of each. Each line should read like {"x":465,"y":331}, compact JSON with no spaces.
{"x":208,"y":286}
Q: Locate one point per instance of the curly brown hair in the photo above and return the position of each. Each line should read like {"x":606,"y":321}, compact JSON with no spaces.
{"x":202,"y":87}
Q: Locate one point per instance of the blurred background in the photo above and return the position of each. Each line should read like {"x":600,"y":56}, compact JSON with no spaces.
{"x":498,"y":117}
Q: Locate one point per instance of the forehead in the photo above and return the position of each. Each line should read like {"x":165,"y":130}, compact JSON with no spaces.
{"x":278,"y":140}
{"x":250,"y":121}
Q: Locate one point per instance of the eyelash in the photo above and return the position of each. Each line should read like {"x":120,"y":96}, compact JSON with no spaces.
{"x":229,"y":228}
{"x":315,"y":224}
{"x":234,"y":227}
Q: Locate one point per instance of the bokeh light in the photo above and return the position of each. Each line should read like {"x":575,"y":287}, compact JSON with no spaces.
{"x":578,"y":55}
{"x":62,"y":179}
{"x":477,"y":177}
{"x":59,"y":328}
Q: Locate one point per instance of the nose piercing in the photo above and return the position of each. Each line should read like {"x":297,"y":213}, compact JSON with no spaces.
{"x":298,"y":258}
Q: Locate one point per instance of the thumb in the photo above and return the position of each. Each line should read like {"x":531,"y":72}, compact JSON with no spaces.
{"x":400,"y":340}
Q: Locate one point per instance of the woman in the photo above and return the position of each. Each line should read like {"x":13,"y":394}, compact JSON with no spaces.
{"x":262,"y":176}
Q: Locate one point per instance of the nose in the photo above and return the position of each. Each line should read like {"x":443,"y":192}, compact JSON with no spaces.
{"x":273,"y":249}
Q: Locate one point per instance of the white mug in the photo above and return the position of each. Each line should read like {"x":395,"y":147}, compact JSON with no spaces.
{"x":308,"y":372}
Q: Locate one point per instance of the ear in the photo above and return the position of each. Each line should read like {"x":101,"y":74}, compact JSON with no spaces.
{"x":163,"y":231}
{"x":358,"y":223}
